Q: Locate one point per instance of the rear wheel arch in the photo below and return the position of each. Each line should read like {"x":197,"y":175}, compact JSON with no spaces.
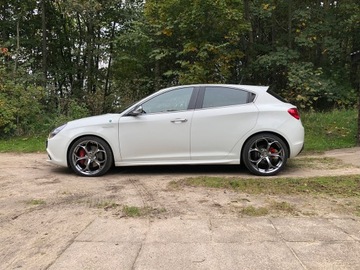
{"x":274,"y":139}
{"x":264,"y":132}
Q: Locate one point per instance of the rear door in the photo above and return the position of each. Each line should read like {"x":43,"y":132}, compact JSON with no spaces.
{"x":223,"y":116}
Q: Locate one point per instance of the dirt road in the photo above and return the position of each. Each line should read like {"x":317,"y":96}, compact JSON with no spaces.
{"x":43,"y":207}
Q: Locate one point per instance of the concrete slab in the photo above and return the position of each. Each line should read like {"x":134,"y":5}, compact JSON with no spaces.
{"x":179,"y":231}
{"x":115,"y":231}
{"x":308,"y":230}
{"x":97,"y":255}
{"x":177,"y":256}
{"x":243,"y":230}
{"x":326,"y":255}
{"x":256,"y":255}
{"x":239,"y":243}
{"x":349,"y":226}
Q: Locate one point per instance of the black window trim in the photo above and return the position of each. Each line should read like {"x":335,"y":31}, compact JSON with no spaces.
{"x":200,"y":98}
{"x":193,"y":99}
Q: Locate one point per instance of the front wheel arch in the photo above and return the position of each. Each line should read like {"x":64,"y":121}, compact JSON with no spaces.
{"x":90,"y":137}
{"x":244,"y":154}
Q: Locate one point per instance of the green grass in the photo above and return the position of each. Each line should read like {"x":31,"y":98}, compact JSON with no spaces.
{"x":343,"y":186}
{"x":284,"y":207}
{"x":329,"y":130}
{"x":323,"y":131}
{"x":254,"y":211}
{"x":106,"y":205}
{"x":36,"y":202}
{"x":134,"y":211}
{"x":23,"y":144}
{"x":280,"y":207}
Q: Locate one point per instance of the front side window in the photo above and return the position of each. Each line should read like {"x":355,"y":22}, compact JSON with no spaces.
{"x":175,"y":100}
{"x":221,"y":96}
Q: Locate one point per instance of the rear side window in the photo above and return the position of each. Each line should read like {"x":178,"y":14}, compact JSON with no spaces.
{"x":221,"y":96}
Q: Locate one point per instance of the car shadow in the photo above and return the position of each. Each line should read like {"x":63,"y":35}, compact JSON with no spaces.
{"x":180,"y":169}
{"x":237,"y":170}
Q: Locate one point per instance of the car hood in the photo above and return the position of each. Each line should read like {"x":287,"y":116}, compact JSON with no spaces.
{"x":94,"y":120}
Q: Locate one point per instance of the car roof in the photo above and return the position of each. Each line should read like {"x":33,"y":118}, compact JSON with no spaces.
{"x":252,"y":88}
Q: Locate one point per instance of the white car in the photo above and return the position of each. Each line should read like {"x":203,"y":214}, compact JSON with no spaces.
{"x":192,"y":124}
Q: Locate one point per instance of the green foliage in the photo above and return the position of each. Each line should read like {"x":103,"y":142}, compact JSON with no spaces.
{"x":68,"y":110}
{"x":303,"y":50}
{"x":68,"y":58}
{"x":134,"y":67}
{"x":197,"y":40}
{"x":20,"y":102}
{"x":306,"y":85}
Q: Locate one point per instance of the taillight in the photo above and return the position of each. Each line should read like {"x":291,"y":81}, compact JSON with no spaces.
{"x":294,"y":113}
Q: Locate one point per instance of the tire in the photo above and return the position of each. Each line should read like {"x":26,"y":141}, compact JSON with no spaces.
{"x":90,"y":156}
{"x":265,"y":154}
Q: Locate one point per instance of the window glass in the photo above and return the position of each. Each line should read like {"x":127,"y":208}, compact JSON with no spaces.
{"x":175,"y":100}
{"x":221,"y":96}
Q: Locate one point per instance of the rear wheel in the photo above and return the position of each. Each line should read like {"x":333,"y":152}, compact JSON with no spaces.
{"x":90,"y":156}
{"x":265,"y":154}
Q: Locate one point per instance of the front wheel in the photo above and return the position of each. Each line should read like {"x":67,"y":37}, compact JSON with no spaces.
{"x":90,"y":156}
{"x":265,"y":154}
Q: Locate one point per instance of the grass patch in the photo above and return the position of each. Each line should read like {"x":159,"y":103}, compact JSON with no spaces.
{"x":36,"y":202}
{"x":23,"y":144}
{"x":329,"y":130}
{"x":344,"y":186}
{"x":357,"y":210}
{"x":254,"y":211}
{"x":107,"y":205}
{"x":283,"y":207}
{"x":134,"y":211}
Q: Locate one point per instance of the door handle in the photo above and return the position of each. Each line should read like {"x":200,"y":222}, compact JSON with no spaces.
{"x":179,"y":120}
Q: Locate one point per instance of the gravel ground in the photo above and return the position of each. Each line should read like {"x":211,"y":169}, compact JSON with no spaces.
{"x":43,"y":208}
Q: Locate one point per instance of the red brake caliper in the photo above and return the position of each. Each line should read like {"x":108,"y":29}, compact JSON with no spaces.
{"x":273,"y":151}
{"x":82,"y":154}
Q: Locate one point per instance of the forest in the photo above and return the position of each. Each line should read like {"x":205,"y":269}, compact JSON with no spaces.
{"x":65,"y":59}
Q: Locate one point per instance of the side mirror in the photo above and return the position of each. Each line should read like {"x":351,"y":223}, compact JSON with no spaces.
{"x":137,"y":111}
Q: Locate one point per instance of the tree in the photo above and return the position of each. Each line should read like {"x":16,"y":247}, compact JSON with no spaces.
{"x":307,"y":61}
{"x":197,"y":41}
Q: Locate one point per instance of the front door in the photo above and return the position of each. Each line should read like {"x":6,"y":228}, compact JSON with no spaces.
{"x":161,"y":133}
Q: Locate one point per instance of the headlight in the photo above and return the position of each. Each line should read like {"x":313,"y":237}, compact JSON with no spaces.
{"x":56,"y":131}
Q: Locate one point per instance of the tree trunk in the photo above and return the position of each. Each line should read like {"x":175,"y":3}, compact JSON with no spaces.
{"x":107,"y":89}
{"x":290,"y":24}
{"x":250,"y":45}
{"x":355,"y":74}
{"x":44,"y":43}
{"x":17,"y":45}
{"x":90,"y":56}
